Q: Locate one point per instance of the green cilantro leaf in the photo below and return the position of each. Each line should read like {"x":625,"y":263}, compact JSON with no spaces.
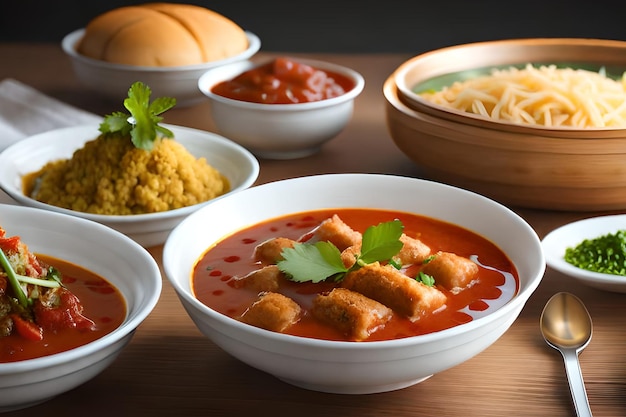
{"x":381,"y":242}
{"x":319,"y":261}
{"x":311,"y":262}
{"x":142,"y":124}
{"x":116,"y":122}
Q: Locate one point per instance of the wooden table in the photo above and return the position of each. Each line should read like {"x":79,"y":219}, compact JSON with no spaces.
{"x":170,"y":369}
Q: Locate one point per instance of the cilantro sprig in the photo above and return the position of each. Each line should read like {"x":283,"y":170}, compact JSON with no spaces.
{"x":319,"y":261}
{"x":142,"y":124}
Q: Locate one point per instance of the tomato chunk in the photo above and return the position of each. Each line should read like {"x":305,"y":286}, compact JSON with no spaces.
{"x":27,"y":329}
{"x":59,"y":309}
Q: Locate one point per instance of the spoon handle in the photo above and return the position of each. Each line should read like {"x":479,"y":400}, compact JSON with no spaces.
{"x":576,"y":383}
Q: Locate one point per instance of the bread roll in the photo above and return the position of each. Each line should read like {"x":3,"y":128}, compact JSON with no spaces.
{"x":162,"y":34}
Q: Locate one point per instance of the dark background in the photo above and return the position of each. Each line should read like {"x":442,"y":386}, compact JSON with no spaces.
{"x":350,"y":26}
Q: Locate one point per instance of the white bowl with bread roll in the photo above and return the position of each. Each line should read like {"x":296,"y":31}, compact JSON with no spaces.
{"x":167,"y":46}
{"x":353,"y":348}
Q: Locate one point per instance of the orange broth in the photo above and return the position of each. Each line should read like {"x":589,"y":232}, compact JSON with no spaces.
{"x":498,"y":279}
{"x":102,"y":303}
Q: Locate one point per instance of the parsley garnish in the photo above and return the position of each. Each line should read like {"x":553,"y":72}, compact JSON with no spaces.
{"x":319,"y":261}
{"x":142,"y":124}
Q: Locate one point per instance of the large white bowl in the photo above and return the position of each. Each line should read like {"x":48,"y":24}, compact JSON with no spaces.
{"x":113,"y":80}
{"x":29,"y":155}
{"x":352,"y":367}
{"x":104,"y":251}
{"x":280,"y":131}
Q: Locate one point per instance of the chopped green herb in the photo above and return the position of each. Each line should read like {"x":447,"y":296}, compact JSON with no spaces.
{"x":54,"y":275}
{"x":142,"y":124}
{"x":428,"y":259}
{"x":606,"y":254}
{"x":319,"y":261}
{"x":395,"y":263}
{"x":425,"y":279}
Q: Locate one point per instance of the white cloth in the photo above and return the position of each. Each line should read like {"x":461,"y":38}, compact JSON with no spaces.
{"x":24,"y":112}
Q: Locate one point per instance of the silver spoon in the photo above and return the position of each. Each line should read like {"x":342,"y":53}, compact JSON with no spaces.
{"x":566,"y":326}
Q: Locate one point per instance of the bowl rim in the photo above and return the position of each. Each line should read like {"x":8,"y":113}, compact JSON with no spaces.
{"x":69,"y":42}
{"x":126,"y":328}
{"x":253,"y":165}
{"x":412,"y":100}
{"x":228,"y":71}
{"x":517,"y":302}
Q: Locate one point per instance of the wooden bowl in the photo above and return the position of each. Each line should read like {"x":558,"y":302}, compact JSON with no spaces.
{"x":521,"y":165}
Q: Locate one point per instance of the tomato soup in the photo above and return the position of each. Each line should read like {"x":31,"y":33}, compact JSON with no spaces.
{"x":284,"y":81}
{"x":102,"y":303}
{"x":498,"y":282}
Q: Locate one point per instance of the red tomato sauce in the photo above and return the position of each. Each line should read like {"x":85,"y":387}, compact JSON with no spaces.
{"x":102,"y":303}
{"x":284,"y":81}
{"x":498,"y":279}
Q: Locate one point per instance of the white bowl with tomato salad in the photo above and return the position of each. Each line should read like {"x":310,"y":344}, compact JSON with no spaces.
{"x":116,"y":281}
{"x":205,"y":259}
{"x":284,"y":108}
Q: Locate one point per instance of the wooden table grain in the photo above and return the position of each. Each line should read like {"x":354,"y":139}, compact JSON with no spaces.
{"x":170,"y":369}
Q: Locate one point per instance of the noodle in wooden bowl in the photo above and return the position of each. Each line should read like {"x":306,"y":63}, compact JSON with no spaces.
{"x":537,"y":123}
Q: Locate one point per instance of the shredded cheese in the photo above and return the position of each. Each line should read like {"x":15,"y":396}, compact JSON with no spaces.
{"x":544,"y":95}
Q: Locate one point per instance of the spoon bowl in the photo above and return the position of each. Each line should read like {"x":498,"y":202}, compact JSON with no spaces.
{"x":567,"y":327}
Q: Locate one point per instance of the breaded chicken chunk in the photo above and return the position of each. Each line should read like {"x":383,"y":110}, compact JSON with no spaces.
{"x":269,"y":252}
{"x":394,"y":289}
{"x":349,"y":255}
{"x":263,"y":279}
{"x":451,"y":271}
{"x":337,"y":232}
{"x":272,"y":311}
{"x":413,"y":251}
{"x":351,"y":313}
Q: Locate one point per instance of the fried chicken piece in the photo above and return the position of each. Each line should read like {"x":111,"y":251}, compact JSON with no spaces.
{"x":272,"y":311}
{"x":413,"y":251}
{"x":337,"y":232}
{"x":451,"y":271}
{"x":270,"y":251}
{"x":265,"y":279}
{"x":351,"y":313}
{"x":349,"y":255}
{"x":394,"y":289}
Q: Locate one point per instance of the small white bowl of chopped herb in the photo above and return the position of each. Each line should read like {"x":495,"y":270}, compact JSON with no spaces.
{"x":590,"y":250}
{"x":130,"y":173}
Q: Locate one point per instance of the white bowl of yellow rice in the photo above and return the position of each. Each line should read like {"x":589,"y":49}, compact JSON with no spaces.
{"x":232,"y":162}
